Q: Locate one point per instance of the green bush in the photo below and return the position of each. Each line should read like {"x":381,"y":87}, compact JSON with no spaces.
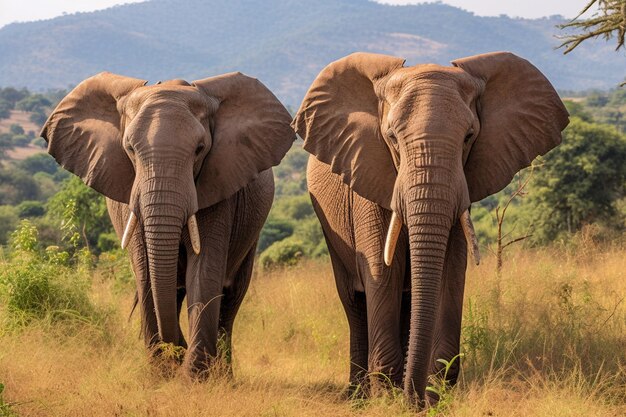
{"x":31,"y":208}
{"x":274,"y":231}
{"x":43,"y":286}
{"x":108,"y":242}
{"x":20,"y":140}
{"x":284,"y":253}
{"x":8,"y":222}
{"x":296,"y":207}
{"x":16,"y":129}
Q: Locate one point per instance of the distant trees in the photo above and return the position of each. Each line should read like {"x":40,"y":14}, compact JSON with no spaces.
{"x":610,"y":23}
{"x":581,"y":182}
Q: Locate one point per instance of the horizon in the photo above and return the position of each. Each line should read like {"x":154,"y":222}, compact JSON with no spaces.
{"x":28,"y":11}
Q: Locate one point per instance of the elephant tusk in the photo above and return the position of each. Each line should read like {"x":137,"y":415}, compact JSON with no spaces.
{"x":470,"y":236}
{"x":194,"y":235}
{"x":130,"y":229}
{"x":392,"y":238}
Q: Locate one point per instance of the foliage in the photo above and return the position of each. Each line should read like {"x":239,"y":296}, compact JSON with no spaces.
{"x":17,"y":186}
{"x":610,"y":23}
{"x":33,"y":103}
{"x":273,"y":231}
{"x":5,"y":109}
{"x":40,"y":285}
{"x":5,"y":408}
{"x":41,"y":162}
{"x":440,"y":386}
{"x":8,"y":222}
{"x":12,"y":95}
{"x":286,"y":252}
{"x":580,"y":182}
{"x":16,"y":129}
{"x":80,"y":212}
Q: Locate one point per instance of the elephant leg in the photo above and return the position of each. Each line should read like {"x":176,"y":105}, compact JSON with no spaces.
{"x":356,"y":312}
{"x":204,"y":283}
{"x":203,"y":305}
{"x":181,"y":291}
{"x":447,"y":338}
{"x":233,"y":297}
{"x":383,"y":291}
{"x":386,"y":356}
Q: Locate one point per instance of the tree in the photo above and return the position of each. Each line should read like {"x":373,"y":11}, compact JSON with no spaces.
{"x":609,"y":23}
{"x":35,"y":102}
{"x":12,"y":95}
{"x":5,"y":109}
{"x":16,"y":129}
{"x":8,"y":222}
{"x":581,"y":182}
{"x":80,"y":210}
{"x":41,"y":162}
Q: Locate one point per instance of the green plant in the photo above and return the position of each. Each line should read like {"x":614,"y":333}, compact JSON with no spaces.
{"x":440,"y":386}
{"x":5,"y":407}
{"x":43,"y":286}
{"x":286,"y":252}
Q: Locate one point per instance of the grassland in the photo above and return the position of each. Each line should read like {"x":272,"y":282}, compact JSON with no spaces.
{"x":548,"y":338}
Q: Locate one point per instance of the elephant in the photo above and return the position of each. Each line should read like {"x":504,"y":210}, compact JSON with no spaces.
{"x":169,"y":155}
{"x":398,"y":154}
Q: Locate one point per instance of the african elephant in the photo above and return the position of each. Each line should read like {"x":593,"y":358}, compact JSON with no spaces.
{"x":170,"y":155}
{"x":405,"y":150}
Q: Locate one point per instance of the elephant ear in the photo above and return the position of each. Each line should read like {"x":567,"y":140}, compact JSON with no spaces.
{"x":85,"y":137}
{"x":340,"y":124}
{"x":251,"y":133}
{"x":521,"y":117}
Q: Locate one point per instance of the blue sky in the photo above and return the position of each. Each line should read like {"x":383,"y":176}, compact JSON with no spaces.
{"x":29,"y":10}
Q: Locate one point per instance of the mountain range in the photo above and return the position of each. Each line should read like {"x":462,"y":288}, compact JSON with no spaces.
{"x":284,"y":43}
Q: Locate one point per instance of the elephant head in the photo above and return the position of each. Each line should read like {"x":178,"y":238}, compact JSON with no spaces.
{"x":168,"y":150}
{"x":426,"y":141}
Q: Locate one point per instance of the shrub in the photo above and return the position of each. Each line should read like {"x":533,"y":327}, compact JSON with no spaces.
{"x":20,"y":140}
{"x":16,"y":129}
{"x":274,"y":231}
{"x":43,"y":286}
{"x":8,"y":222}
{"x":284,"y":253}
{"x":108,"y":242}
{"x":31,"y":208}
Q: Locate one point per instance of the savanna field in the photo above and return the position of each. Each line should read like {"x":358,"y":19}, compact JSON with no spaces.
{"x":544,"y":319}
{"x":547,"y":338}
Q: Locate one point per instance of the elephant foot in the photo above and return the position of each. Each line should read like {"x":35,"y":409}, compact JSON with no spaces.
{"x":355,"y":392}
{"x":204,"y":367}
{"x":167,"y":358}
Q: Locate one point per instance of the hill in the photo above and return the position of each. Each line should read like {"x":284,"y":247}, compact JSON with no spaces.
{"x":282,"y":42}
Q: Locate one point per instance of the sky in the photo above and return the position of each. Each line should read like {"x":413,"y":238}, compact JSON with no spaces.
{"x":29,"y":10}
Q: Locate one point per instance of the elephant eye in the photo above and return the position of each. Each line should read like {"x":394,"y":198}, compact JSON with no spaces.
{"x":199,"y":149}
{"x":130,"y":149}
{"x":392,"y":136}
{"x":469,"y":136}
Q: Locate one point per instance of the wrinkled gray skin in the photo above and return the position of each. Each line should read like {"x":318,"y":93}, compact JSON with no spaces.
{"x":423,"y":142}
{"x":215,"y":281}
{"x":167,"y":152}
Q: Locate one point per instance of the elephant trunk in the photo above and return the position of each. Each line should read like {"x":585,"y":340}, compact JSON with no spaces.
{"x":164,"y":210}
{"x":428,"y":203}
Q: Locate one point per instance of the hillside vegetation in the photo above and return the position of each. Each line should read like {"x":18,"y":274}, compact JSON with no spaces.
{"x":284,"y":43}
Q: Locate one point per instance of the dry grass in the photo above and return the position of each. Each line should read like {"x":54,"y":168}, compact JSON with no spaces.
{"x":550,"y":342}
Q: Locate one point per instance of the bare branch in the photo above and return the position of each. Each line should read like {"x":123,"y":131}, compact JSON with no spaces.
{"x":612,"y":22}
